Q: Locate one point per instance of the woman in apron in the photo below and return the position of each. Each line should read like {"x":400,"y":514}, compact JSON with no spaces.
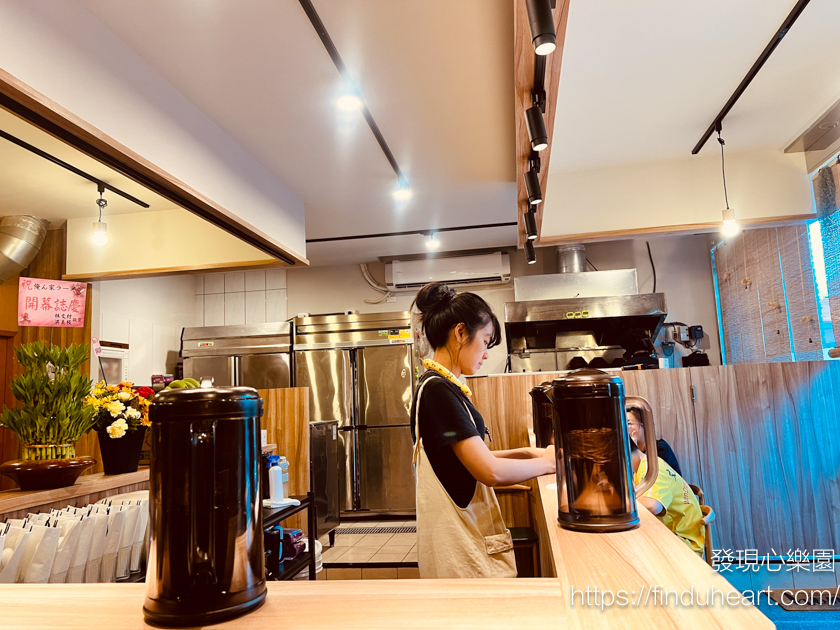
{"x":460,"y":530}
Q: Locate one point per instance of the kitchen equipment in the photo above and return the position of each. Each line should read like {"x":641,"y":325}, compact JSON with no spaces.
{"x":206,"y":555}
{"x":324,"y":474}
{"x":358,"y":369}
{"x":594,"y":471}
{"x":255,"y":355}
{"x":545,"y":335}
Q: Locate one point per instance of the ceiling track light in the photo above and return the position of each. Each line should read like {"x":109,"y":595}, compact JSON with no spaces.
{"x":536,"y":128}
{"x":530,"y":252}
{"x":541,"y":21}
{"x":532,"y":180}
{"x":730,"y":226}
{"x":432,"y":241}
{"x":531,"y":224}
{"x":100,"y":229}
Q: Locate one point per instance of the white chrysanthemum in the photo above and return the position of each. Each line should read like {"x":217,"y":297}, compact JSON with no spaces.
{"x":115,"y":408}
{"x":117,"y":429}
{"x":124,"y":396}
{"x":132,"y":414}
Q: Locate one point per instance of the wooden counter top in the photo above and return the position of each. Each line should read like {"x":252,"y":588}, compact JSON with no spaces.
{"x":97,"y":484}
{"x":636,"y":561}
{"x":642,"y":558}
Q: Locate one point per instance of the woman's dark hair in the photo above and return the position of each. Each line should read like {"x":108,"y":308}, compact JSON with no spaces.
{"x":442,"y":308}
{"x":636,"y":411}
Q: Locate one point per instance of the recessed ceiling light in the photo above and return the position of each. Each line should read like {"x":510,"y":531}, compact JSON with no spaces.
{"x":349,"y":102}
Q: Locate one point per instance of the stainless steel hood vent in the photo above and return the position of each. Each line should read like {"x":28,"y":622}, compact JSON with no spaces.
{"x":543,"y":335}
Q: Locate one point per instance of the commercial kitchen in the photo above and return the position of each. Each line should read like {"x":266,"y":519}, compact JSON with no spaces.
{"x":228,"y":232}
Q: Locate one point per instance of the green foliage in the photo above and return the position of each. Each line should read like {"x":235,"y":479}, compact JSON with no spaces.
{"x":52,"y":392}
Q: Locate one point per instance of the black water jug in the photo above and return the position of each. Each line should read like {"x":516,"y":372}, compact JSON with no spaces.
{"x":206,"y":559}
{"x":594,"y":474}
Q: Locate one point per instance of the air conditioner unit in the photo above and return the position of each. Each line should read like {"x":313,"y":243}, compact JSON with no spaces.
{"x":403,"y":275}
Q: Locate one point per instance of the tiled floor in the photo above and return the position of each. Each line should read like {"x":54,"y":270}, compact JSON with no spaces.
{"x":365,"y":548}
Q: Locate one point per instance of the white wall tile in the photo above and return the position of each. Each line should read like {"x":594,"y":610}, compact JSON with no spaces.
{"x":214,"y":309}
{"x":255,"y":307}
{"x":164,"y":356}
{"x":115,"y":328}
{"x":255,"y":280}
{"x":141,"y":352}
{"x":199,"y":284}
{"x":275,"y":278}
{"x":235,"y":307}
{"x":214,"y":283}
{"x":199,"y":311}
{"x":275,"y":305}
{"x":234,"y":281}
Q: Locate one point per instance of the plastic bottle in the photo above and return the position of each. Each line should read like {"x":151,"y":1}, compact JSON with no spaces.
{"x":275,"y":479}
{"x":284,"y":466}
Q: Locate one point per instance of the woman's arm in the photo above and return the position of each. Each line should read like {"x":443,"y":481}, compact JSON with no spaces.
{"x":499,"y":471}
{"x":520,"y":453}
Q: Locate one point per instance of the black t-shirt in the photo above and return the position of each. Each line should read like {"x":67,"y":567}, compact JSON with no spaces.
{"x":666,"y":453}
{"x":443,"y":421}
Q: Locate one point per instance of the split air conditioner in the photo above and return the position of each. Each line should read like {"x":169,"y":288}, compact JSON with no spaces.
{"x":404,"y":275}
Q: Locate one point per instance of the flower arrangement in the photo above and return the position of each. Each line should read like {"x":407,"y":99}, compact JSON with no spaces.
{"x":52,"y":391}
{"x":120,"y":408}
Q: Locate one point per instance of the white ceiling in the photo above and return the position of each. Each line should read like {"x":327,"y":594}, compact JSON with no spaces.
{"x":642,"y":81}
{"x":30,"y":184}
{"x":437,"y":76}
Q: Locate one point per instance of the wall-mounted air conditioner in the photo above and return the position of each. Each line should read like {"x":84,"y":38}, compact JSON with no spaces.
{"x":404,"y":275}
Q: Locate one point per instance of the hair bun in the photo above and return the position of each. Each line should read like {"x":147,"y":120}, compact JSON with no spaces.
{"x":434,"y":296}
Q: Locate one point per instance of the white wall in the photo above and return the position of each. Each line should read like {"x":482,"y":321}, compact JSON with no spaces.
{"x":240,"y":297}
{"x":147,"y":314}
{"x":687,"y":191}
{"x":62,"y":51}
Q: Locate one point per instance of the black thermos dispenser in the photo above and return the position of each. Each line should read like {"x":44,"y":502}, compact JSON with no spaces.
{"x":206,"y":558}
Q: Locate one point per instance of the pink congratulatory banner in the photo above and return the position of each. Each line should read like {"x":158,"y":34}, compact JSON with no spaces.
{"x":51,"y":303}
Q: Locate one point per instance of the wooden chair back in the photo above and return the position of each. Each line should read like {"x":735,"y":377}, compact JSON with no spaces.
{"x":708,"y":518}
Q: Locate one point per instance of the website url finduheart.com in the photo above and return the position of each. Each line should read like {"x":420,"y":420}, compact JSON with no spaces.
{"x":648,"y":595}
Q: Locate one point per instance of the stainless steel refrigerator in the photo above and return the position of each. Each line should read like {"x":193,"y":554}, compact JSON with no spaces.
{"x":359,"y":372}
{"x":254,"y":355}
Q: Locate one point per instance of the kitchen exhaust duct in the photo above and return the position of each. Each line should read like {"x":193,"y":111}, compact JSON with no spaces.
{"x":21,"y":238}
{"x":571,"y":258}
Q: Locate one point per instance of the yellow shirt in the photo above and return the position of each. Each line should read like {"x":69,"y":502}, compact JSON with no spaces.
{"x":682,"y":509}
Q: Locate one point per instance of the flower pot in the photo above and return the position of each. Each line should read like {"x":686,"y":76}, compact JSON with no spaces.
{"x":121,"y":455}
{"x":45,"y":474}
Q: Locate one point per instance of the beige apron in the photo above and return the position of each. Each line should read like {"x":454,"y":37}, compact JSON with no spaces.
{"x":455,"y":542}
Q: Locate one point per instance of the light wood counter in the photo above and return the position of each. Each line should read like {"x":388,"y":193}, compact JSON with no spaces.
{"x":634,"y":561}
{"x":87,"y":489}
{"x":645,"y":557}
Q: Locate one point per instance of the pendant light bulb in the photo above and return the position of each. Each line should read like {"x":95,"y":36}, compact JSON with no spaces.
{"x":349,"y":102}
{"x":402,"y":192}
{"x":541,"y":22}
{"x":530,"y":252}
{"x":100,"y":233}
{"x":432,"y":241}
{"x":730,"y":226}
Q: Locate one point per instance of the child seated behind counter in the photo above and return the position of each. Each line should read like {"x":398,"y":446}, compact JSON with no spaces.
{"x":671,"y":500}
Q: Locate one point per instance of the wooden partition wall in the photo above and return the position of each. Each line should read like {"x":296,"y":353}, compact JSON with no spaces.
{"x":762,"y":440}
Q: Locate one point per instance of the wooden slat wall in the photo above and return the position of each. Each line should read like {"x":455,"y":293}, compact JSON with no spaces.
{"x":286,"y":419}
{"x":767,"y":295}
{"x":771,"y":454}
{"x":801,"y":291}
{"x":49,"y":264}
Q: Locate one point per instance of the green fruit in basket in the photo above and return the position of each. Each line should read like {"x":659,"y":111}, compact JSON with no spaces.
{"x":177,"y":385}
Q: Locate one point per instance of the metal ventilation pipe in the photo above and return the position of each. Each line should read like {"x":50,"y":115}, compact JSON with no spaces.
{"x":571,"y":258}
{"x":20,"y":241}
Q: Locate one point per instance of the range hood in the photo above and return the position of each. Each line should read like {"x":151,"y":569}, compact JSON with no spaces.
{"x":544,"y":335}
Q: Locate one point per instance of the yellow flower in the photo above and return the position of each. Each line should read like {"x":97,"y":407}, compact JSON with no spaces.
{"x":117,"y":429}
{"x":124,"y":396}
{"x":115,"y":408}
